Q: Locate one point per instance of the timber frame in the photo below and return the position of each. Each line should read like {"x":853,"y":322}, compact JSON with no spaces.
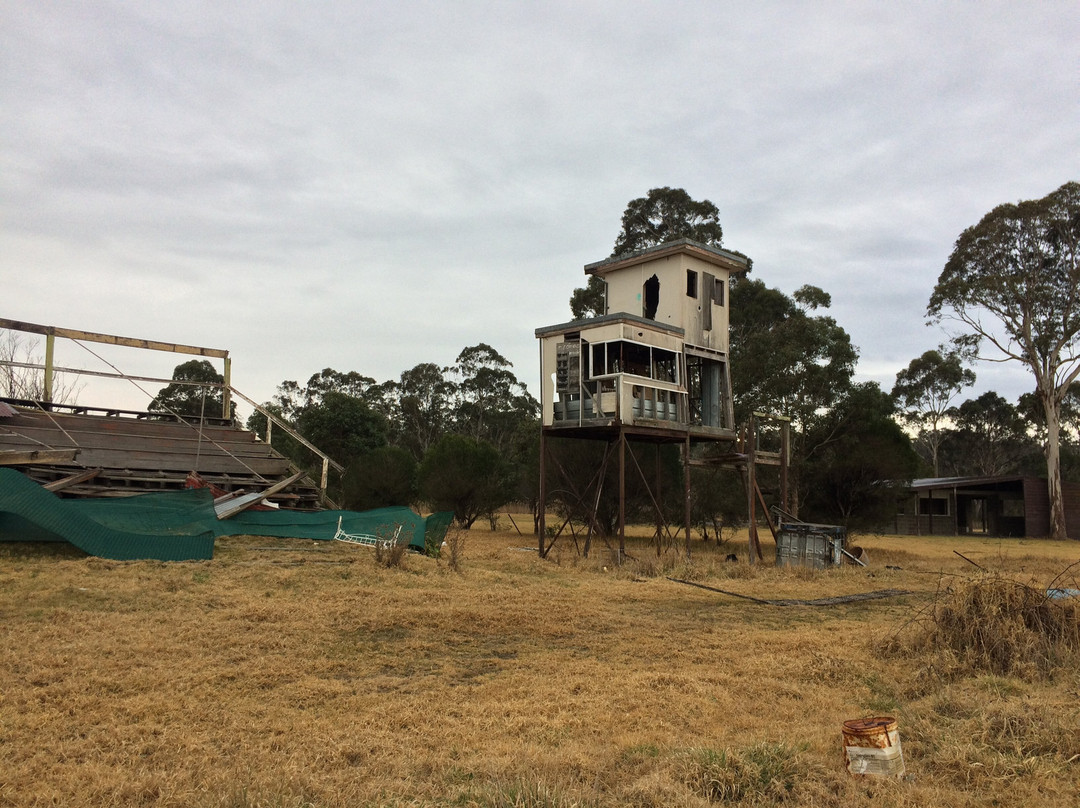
{"x":37,"y":458}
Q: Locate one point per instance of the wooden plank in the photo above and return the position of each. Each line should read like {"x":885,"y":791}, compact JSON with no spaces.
{"x":110,"y":339}
{"x":184,"y":461}
{"x":137,"y":427}
{"x":74,"y":479}
{"x":36,"y":438}
{"x":27,"y":457}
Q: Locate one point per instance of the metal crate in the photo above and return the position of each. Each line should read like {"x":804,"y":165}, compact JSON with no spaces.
{"x":801,"y":544}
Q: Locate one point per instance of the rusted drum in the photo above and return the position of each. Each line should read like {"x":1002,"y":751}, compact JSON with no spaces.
{"x":872,"y":747}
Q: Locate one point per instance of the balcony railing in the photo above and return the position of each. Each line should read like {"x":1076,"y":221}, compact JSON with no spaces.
{"x":622,"y":397}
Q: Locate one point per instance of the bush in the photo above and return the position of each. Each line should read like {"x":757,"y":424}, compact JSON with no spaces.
{"x":381,"y":478}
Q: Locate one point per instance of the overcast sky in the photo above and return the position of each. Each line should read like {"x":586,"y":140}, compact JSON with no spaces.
{"x":368,"y":185}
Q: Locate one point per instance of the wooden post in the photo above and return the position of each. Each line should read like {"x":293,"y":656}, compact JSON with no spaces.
{"x":47,"y":389}
{"x":751,"y":486}
{"x":659,"y":501}
{"x":785,"y":457}
{"x":226,"y":391}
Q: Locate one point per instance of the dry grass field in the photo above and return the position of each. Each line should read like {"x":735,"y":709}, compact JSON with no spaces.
{"x":292,"y":674}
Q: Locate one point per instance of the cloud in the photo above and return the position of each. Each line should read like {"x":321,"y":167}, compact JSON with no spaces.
{"x":371,"y":186}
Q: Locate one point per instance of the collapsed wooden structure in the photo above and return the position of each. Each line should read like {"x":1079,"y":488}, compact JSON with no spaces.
{"x":81,"y":450}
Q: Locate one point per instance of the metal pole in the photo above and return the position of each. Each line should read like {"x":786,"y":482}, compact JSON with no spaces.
{"x":622,"y":494}
{"x":543,"y":492}
{"x":686,"y":491}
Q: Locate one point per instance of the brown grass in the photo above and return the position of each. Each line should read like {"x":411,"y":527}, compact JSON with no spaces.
{"x":287,"y":673}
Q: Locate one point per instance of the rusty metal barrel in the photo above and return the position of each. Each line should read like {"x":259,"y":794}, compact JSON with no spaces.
{"x":872,"y":747}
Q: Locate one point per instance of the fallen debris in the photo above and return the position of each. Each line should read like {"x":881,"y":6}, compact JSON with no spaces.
{"x":834,"y":601}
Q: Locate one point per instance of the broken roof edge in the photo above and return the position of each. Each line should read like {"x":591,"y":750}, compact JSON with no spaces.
{"x":614,"y":317}
{"x":925,"y":483}
{"x":731,"y":261}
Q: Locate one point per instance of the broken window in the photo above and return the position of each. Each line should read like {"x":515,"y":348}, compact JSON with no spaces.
{"x":651,"y":297}
{"x":691,"y":283}
{"x":706,"y":310}
{"x":610,"y":358}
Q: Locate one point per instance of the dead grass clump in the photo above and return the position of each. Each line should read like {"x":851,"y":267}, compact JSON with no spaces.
{"x":390,"y":548}
{"x":454,"y":548}
{"x":993,"y":624}
{"x":765,"y":773}
{"x":1023,"y":729}
{"x":527,"y":794}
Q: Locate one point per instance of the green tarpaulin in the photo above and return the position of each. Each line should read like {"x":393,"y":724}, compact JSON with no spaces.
{"x":182,"y":525}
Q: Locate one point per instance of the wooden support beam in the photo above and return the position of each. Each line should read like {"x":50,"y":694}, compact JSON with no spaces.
{"x":765,"y":508}
{"x":74,"y":479}
{"x":26,"y":457}
{"x":109,"y":339}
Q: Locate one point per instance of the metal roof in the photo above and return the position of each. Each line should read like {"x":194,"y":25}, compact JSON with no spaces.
{"x":964,"y":482}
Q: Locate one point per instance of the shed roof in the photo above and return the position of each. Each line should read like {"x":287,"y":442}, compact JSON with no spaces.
{"x":964,"y":482}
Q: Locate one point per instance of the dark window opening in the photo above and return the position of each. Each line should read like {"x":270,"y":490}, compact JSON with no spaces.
{"x":609,"y":358}
{"x":706,"y":310}
{"x":651,"y":297}
{"x":933,"y":506}
{"x":691,"y":283}
{"x":718,"y":292}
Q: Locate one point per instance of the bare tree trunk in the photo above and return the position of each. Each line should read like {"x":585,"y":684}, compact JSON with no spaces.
{"x":1052,"y":408}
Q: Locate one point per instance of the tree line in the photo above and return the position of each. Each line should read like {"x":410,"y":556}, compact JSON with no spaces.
{"x":466,"y":437}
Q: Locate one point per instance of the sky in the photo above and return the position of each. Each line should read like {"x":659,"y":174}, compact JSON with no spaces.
{"x":366,"y":186}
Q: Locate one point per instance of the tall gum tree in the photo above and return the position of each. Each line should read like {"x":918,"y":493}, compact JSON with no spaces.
{"x":925,"y":390}
{"x":1013,"y":282}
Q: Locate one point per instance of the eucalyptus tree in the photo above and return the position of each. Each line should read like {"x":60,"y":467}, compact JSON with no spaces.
{"x":925,"y":390}
{"x":489,"y":401}
{"x":859,"y":460}
{"x":1013,"y":282}
{"x":989,"y":437}
{"x":788,"y":359}
{"x":196,"y":391}
{"x":425,"y":404}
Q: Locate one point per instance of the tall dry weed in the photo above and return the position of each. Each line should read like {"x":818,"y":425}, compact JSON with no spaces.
{"x":454,"y":547}
{"x":390,"y":547}
{"x":988,"y":623}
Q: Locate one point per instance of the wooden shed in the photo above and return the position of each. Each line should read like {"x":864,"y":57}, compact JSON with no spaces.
{"x":989,"y":506}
